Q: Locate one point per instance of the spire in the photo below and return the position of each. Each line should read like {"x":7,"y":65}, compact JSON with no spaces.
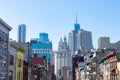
{"x":76,"y":25}
{"x":76,"y":17}
{"x":64,"y":38}
{"x":60,"y":39}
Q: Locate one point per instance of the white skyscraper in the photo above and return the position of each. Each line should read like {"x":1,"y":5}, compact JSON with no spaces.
{"x":79,"y":39}
{"x":62,"y":57}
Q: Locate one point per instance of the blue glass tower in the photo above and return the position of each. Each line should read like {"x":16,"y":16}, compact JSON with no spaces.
{"x":22,"y":33}
{"x":43,"y":37}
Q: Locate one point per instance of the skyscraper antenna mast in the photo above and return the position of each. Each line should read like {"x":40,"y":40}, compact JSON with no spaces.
{"x":76,"y":17}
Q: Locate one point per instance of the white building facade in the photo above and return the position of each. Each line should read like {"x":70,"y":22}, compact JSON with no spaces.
{"x":62,"y":57}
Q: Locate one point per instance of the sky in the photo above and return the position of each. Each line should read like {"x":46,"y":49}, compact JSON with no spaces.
{"x":57,"y":18}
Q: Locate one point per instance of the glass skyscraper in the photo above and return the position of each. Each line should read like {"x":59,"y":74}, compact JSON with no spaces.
{"x":43,"y":37}
{"x":22,"y":33}
{"x":79,"y":39}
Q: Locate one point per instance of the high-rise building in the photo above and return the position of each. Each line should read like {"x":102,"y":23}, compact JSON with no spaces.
{"x":79,"y":39}
{"x":22,"y":33}
{"x":4,"y":39}
{"x":62,"y":57}
{"x":42,"y":46}
{"x":43,"y":37}
{"x":104,"y":42}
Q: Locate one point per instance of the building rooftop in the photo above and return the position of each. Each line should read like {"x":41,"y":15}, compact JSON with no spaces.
{"x":5,"y":24}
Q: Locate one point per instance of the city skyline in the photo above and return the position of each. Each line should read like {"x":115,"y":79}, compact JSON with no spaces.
{"x":57,"y":18}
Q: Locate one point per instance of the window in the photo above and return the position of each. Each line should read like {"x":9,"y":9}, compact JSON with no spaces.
{"x":1,"y":64}
{"x":43,"y":50}
{"x":40,"y":51}
{"x":4,"y":64}
{"x":19,"y":76}
{"x":35,"y":50}
{"x":11,"y":60}
{"x":0,"y":75}
{"x":19,"y":63}
{"x":10,"y":75}
{"x":48,"y":51}
{"x":61,"y":55}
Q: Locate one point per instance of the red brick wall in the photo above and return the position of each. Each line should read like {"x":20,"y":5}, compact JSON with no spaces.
{"x":37,"y":61}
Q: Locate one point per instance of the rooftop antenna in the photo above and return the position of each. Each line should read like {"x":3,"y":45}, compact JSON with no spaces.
{"x":76,"y":17}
